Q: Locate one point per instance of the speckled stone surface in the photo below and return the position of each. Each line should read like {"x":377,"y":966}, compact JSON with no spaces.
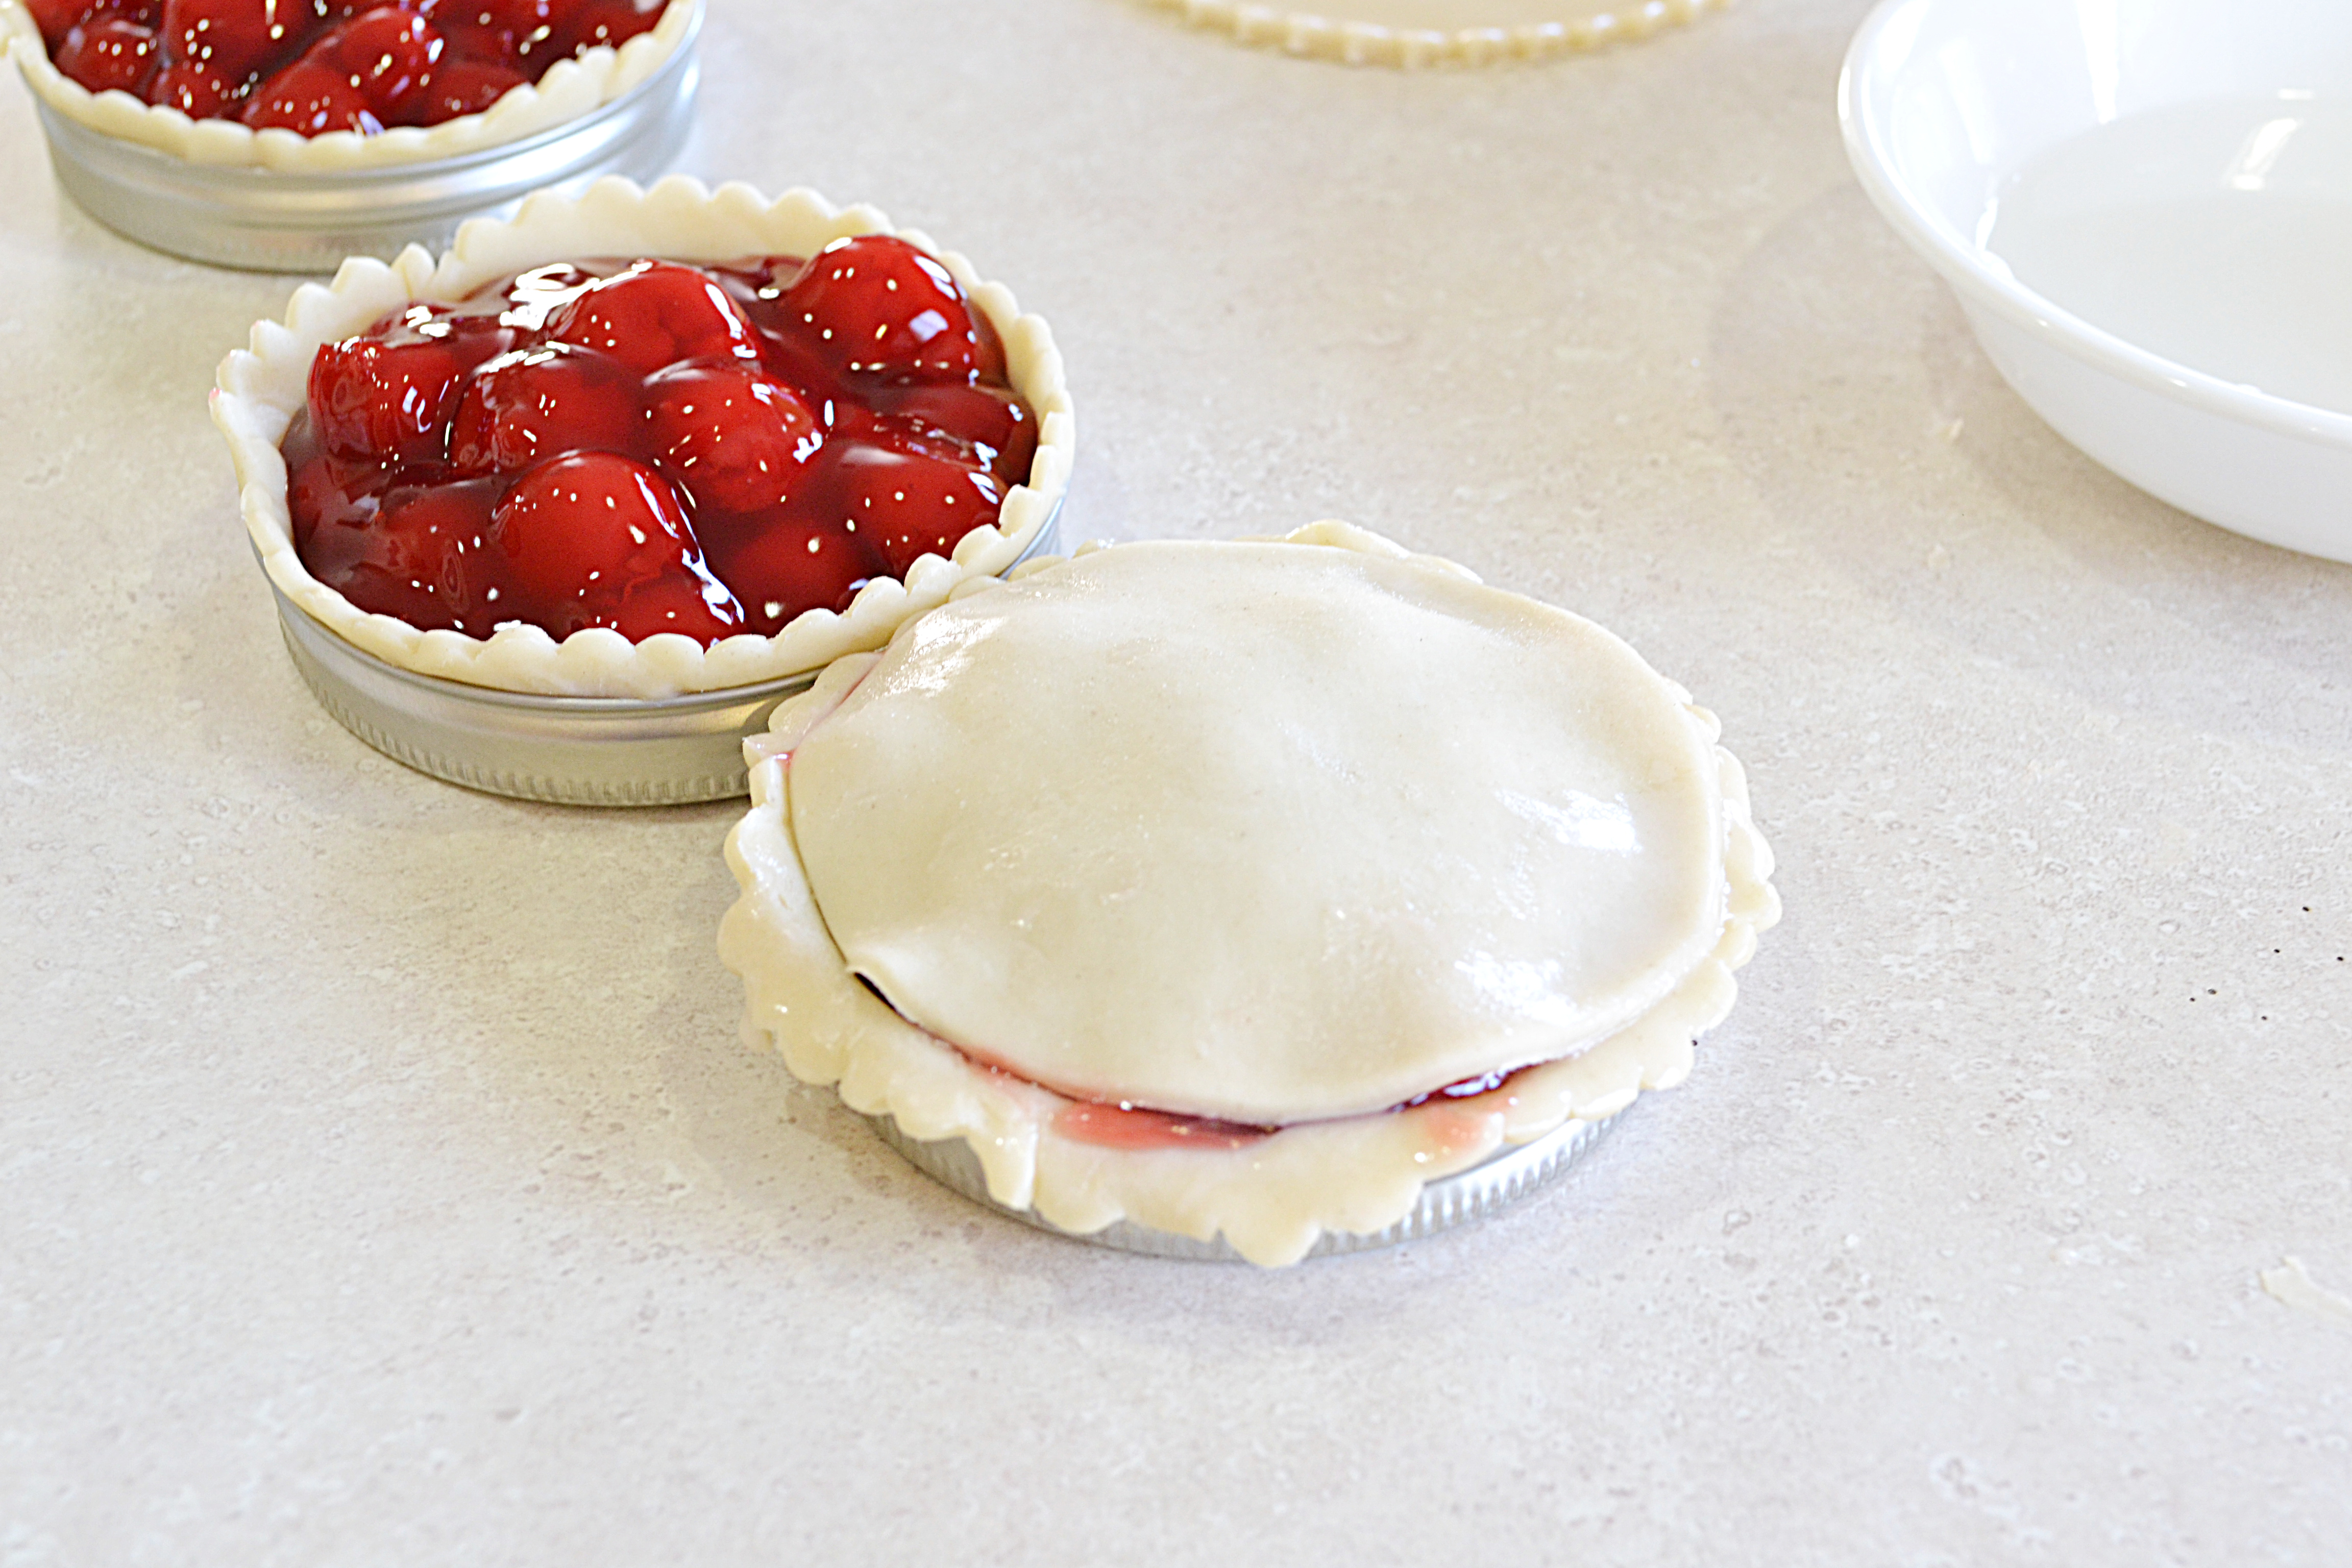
{"x":381,"y":1180}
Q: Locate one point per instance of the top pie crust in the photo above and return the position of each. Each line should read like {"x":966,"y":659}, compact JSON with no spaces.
{"x":1438,"y":32}
{"x":564,"y":91}
{"x":262,"y":387}
{"x":1285,"y":833}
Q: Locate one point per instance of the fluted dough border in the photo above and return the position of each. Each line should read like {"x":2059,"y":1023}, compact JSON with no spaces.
{"x":1335,"y":38}
{"x":564,"y":91}
{"x":1272,"y":1199}
{"x":261,"y":388}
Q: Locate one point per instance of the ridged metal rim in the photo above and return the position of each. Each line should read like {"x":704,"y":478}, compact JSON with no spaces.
{"x":1452,"y":1201}
{"x":279,"y":221}
{"x":564,"y":750}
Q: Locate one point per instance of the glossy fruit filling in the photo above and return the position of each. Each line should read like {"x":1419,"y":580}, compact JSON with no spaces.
{"x":656,"y":447}
{"x":316,"y":66}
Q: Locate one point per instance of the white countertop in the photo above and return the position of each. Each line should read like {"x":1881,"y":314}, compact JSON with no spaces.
{"x":381,"y":1180}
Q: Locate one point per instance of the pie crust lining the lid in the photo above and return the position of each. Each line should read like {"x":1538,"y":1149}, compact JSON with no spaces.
{"x":1409,"y":33}
{"x":262,"y":386}
{"x":566,"y":91}
{"x":1271,"y":1198}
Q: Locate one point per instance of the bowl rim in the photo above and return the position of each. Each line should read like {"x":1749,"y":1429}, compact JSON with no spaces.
{"x":1984,"y":281}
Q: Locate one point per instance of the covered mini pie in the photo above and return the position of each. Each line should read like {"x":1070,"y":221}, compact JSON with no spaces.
{"x":307,"y":87}
{"x":1241,"y":888}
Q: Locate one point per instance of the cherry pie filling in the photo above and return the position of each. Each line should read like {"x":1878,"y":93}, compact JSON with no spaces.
{"x":1122,"y":1124}
{"x":651,"y":448}
{"x":316,"y":66}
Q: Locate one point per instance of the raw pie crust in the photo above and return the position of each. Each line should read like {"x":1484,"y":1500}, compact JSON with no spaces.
{"x":566,"y":91}
{"x":1440,"y":32}
{"x":261,"y":388}
{"x":1241,"y":856}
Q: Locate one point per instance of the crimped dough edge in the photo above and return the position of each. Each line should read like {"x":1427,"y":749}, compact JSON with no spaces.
{"x":1271,"y":1199}
{"x":1356,"y":43}
{"x":564,"y":91}
{"x":261,"y":388}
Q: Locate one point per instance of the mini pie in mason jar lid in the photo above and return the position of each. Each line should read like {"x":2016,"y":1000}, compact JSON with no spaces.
{"x":286,"y":134}
{"x":1243,"y":895}
{"x":624,"y":470}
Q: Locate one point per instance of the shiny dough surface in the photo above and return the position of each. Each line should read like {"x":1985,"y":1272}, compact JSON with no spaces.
{"x":1261,"y":831}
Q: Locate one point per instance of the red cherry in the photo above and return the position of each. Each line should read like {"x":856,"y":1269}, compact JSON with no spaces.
{"x":232,"y":39}
{"x":693,"y":604}
{"x":877,"y":308}
{"x":474,"y":332}
{"x":377,"y":399}
{"x":311,"y":99}
{"x":390,"y":52}
{"x":459,"y":86}
{"x":513,"y":15}
{"x":389,"y":393}
{"x":523,"y":407}
{"x":194,"y":91}
{"x":531,"y":297}
{"x":56,"y":19}
{"x":469,"y":36}
{"x":907,"y":504}
{"x":512,"y":30}
{"x":782,"y":565}
{"x":110,"y":54}
{"x":757,"y":287}
{"x":591,"y":521}
{"x":607,"y":22}
{"x":424,"y":558}
{"x":597,"y":539}
{"x":729,"y":436}
{"x":986,"y":426}
{"x":654,"y":314}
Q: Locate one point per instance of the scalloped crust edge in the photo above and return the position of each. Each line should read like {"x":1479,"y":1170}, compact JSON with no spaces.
{"x":1374,"y":44}
{"x":564,"y":91}
{"x":1272,"y":1199}
{"x":260,"y":387}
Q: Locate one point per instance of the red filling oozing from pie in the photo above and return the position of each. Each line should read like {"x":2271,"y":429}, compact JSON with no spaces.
{"x":1133,"y":1127}
{"x":654,"y":448}
{"x":315,"y":65}
{"x":1136,"y":1127}
{"x":1125,"y":1125}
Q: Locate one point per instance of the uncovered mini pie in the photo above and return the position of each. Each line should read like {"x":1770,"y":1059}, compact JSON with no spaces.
{"x":513,"y":68}
{"x":581,"y":386}
{"x":1241,"y":888}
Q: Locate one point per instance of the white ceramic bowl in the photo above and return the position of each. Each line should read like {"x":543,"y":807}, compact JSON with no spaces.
{"x":2146,"y":209}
